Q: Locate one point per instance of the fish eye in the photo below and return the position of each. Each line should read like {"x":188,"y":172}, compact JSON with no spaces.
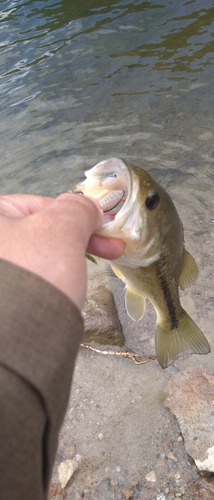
{"x":152,"y":200}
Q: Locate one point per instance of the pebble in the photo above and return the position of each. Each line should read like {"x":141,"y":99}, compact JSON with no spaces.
{"x":151,"y":477}
{"x":172,"y":474}
{"x":160,"y":464}
{"x":127,"y":494}
{"x":67,"y":468}
{"x":205,"y":136}
{"x":100,"y":436}
{"x":144,"y":336}
{"x":171,"y":456}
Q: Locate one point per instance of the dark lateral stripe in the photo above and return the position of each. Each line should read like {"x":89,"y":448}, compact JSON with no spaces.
{"x":161,"y":267}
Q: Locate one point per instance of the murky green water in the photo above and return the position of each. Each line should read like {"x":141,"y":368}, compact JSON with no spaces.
{"x":82,"y":81}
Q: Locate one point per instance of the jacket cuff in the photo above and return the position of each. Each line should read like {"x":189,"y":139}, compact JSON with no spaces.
{"x":40,"y":332}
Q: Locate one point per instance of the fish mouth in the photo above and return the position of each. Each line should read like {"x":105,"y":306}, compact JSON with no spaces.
{"x":111,"y":182}
{"x":112,"y":203}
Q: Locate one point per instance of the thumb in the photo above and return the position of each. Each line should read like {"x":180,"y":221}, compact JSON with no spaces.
{"x":81,"y":212}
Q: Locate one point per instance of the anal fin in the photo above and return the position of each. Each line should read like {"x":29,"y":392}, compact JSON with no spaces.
{"x":135,"y":305}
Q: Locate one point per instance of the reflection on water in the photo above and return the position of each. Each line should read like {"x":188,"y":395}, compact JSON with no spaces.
{"x":125,"y":78}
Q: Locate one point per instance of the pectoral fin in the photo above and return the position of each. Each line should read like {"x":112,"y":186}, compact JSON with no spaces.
{"x":135,"y":305}
{"x":189,"y":271}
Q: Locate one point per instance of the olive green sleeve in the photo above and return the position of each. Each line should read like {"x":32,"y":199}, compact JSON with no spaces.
{"x":40,"y":331}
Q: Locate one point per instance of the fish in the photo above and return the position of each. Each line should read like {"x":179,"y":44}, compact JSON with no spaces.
{"x":155,"y":262}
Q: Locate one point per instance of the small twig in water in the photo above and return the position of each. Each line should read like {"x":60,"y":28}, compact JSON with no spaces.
{"x":139,"y":359}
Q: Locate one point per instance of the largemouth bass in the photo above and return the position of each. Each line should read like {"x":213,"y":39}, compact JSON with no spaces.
{"x":155,"y":262}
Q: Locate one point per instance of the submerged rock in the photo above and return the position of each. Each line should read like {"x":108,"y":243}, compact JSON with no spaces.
{"x":101,"y":320}
{"x":190,"y":397}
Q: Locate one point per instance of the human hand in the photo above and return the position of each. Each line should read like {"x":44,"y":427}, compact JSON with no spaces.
{"x":49,"y":237}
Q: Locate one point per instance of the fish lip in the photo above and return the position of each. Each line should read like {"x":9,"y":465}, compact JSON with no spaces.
{"x":123,"y":213}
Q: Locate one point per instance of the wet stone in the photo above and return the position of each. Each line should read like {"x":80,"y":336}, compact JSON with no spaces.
{"x":190,"y":397}
{"x":101,"y":321}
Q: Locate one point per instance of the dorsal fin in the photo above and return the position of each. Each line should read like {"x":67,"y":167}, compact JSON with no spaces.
{"x":189,"y":271}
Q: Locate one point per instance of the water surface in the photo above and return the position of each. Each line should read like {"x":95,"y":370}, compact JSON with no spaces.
{"x":80,"y":83}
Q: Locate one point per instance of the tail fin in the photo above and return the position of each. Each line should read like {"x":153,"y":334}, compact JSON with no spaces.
{"x":186,"y":338}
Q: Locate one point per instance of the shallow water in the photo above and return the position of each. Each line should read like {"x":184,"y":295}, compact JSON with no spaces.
{"x":79,"y":84}
{"x":132,"y":79}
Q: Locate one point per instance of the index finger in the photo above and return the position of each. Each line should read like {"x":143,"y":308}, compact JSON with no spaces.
{"x":20,"y":205}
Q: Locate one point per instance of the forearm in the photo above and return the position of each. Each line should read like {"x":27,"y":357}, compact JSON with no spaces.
{"x":39,"y":336}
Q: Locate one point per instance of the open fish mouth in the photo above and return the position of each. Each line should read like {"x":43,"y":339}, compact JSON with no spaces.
{"x":111,"y":204}
{"x":111,"y":183}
